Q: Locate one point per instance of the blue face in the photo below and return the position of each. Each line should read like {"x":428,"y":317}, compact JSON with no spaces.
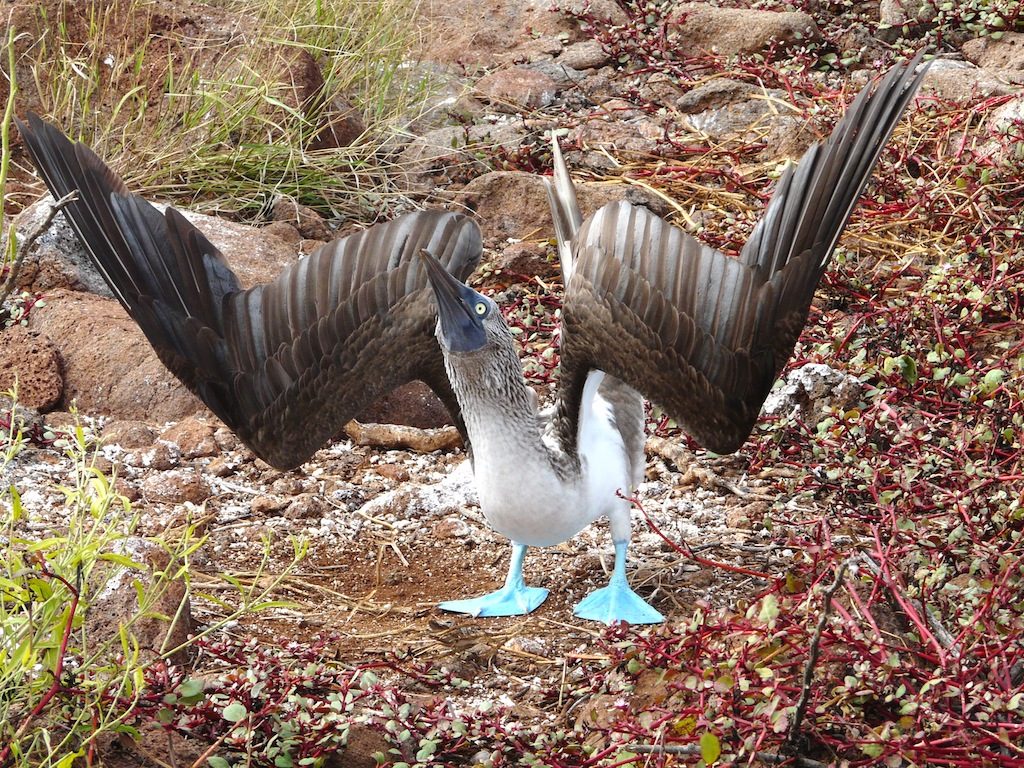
{"x":460,"y":309}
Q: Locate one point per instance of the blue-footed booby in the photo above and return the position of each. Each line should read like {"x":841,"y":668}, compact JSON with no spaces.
{"x":648,"y":311}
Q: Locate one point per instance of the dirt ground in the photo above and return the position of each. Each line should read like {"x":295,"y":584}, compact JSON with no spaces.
{"x":392,"y":533}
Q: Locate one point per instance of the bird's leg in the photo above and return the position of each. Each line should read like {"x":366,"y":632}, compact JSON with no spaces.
{"x":618,"y":601}
{"x":513,"y":599}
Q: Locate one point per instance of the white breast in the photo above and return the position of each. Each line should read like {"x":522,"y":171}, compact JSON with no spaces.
{"x":605,"y":463}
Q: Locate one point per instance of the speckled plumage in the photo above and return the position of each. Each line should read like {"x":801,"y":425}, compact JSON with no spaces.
{"x":648,"y":311}
{"x":699,"y":333}
{"x":285,"y":364}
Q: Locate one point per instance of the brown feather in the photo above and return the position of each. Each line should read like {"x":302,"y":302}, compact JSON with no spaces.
{"x":285,"y":364}
{"x":702,"y":334}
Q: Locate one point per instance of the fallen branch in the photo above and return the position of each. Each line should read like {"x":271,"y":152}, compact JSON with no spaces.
{"x":790,"y":746}
{"x":938,"y":633}
{"x":694,"y":749}
{"x":398,"y":436}
{"x":26,"y":245}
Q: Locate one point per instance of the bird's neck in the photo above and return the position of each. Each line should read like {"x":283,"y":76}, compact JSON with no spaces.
{"x":500,"y":412}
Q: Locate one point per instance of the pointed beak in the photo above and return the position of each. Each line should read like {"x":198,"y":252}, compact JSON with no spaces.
{"x":461,"y":328}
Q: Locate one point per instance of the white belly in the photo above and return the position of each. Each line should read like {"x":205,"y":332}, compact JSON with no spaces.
{"x":527,"y":501}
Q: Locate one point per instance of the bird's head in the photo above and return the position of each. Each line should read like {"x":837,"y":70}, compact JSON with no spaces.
{"x":467,"y":321}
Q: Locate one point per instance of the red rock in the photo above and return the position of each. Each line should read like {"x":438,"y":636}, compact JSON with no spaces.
{"x":306,"y":506}
{"x":451,"y":527}
{"x":480,"y":33}
{"x":528,"y":258}
{"x":1005,"y":55}
{"x":175,"y":487}
{"x":309,"y":224}
{"x":128,"y":434}
{"x":336,"y":122}
{"x":268,"y":505}
{"x":30,"y":362}
{"x":220,"y":467}
{"x":109,"y":367}
{"x":284,"y":231}
{"x":510,"y":204}
{"x":194,"y":437}
{"x":160,"y":456}
{"x":414,"y":405}
{"x":115,"y":601}
{"x":730,"y":31}
{"x":127,"y":489}
{"x":395,"y":472}
{"x":518,"y":88}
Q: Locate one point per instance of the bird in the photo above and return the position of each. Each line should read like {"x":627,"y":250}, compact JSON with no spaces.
{"x":285,"y":365}
{"x":648,"y":311}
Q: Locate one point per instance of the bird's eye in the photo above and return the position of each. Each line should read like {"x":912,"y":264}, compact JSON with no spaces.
{"x":481,"y":308}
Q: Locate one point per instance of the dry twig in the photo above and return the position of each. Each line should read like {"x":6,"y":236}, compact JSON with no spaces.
{"x":398,"y":436}
{"x":812,"y":658}
{"x":694,"y":749}
{"x":26,"y":245}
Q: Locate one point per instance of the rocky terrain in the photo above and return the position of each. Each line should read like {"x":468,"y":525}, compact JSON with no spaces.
{"x":391,"y":531}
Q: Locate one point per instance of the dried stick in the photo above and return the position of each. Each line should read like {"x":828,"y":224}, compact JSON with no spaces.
{"x":694,"y":749}
{"x":26,"y":245}
{"x":790,"y":745}
{"x":398,"y":436}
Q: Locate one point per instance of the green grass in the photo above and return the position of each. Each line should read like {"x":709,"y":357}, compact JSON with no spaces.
{"x":214,"y":123}
{"x":63,"y":688}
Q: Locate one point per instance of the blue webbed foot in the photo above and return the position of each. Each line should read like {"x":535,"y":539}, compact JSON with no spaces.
{"x":617,"y":602}
{"x":513,"y":599}
{"x":507,"y":601}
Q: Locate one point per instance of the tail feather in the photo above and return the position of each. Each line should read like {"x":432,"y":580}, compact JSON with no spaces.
{"x":565,"y":210}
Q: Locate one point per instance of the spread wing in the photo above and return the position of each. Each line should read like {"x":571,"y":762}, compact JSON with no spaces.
{"x":702,"y":334}
{"x":285,"y":364}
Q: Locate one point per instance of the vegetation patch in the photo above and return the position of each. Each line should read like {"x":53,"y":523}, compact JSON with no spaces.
{"x":225,"y":106}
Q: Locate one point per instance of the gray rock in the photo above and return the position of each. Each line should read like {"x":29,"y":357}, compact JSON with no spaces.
{"x":729,"y":31}
{"x":716,"y":93}
{"x":58,"y":260}
{"x":746,"y":118}
{"x":448,"y":156}
{"x":586,"y":54}
{"x":519,"y":88}
{"x":898,"y":12}
{"x":810,"y":391}
{"x":962,"y":81}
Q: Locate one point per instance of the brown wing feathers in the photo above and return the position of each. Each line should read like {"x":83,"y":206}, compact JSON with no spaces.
{"x":283,"y":364}
{"x":702,"y":334}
